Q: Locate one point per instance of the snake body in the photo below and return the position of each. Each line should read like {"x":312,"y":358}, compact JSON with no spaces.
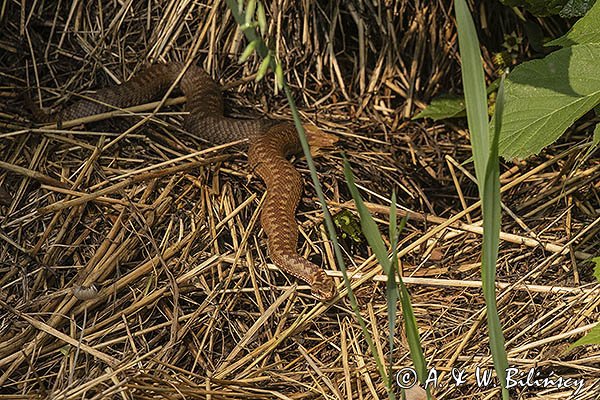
{"x":270,"y":143}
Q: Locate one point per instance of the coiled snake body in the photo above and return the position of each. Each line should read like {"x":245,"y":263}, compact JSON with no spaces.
{"x":270,"y":144}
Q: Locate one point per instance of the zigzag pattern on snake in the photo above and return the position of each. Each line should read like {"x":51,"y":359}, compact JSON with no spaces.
{"x":270,"y":143}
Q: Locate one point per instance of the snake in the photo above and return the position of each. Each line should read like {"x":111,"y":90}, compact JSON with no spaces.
{"x":270,"y":144}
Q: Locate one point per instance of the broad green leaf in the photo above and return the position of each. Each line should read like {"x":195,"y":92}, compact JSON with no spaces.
{"x":593,"y":337}
{"x":443,"y":108}
{"x":576,"y":8}
{"x":544,"y":97}
{"x":586,"y":30}
{"x":449,"y":106}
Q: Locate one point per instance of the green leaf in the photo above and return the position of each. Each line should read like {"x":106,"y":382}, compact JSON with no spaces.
{"x":535,"y":36}
{"x":596,"y":260}
{"x":410,"y":322}
{"x":544,"y":97}
{"x":248,"y":51}
{"x":443,"y":108}
{"x":368,"y":225}
{"x":371,"y":232}
{"x":593,"y":337}
{"x":412,"y":333}
{"x":586,"y":30}
{"x":262,"y":19}
{"x":279,"y":75}
{"x":485,"y":156}
{"x":474,"y":87}
{"x":391,"y":288}
{"x":264,"y":66}
{"x":576,"y":8}
{"x":373,"y":236}
{"x":492,"y":218}
{"x":250,"y":12}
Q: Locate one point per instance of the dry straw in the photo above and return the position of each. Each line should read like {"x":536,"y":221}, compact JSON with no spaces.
{"x":166,"y":227}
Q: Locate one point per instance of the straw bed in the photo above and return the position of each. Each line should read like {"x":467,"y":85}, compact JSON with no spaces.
{"x":166,"y":228}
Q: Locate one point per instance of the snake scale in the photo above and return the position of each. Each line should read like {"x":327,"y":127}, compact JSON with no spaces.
{"x":270,"y":143}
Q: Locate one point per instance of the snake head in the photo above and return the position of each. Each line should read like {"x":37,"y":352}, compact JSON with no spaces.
{"x":318,"y":139}
{"x":323,"y":287}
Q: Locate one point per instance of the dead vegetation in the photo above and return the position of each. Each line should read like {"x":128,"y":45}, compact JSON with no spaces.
{"x":165,"y":228}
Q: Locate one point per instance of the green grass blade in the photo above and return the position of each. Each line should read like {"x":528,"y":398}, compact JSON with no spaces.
{"x":371,"y":232}
{"x":410,"y":322}
{"x":491,"y":239}
{"x":412,"y":334}
{"x":474,"y":87}
{"x":412,"y":331}
{"x":391,"y":288}
{"x":485,"y":155}
{"x":367,"y":223}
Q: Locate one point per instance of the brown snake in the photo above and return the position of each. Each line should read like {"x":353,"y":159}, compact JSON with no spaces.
{"x":270,"y":143}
